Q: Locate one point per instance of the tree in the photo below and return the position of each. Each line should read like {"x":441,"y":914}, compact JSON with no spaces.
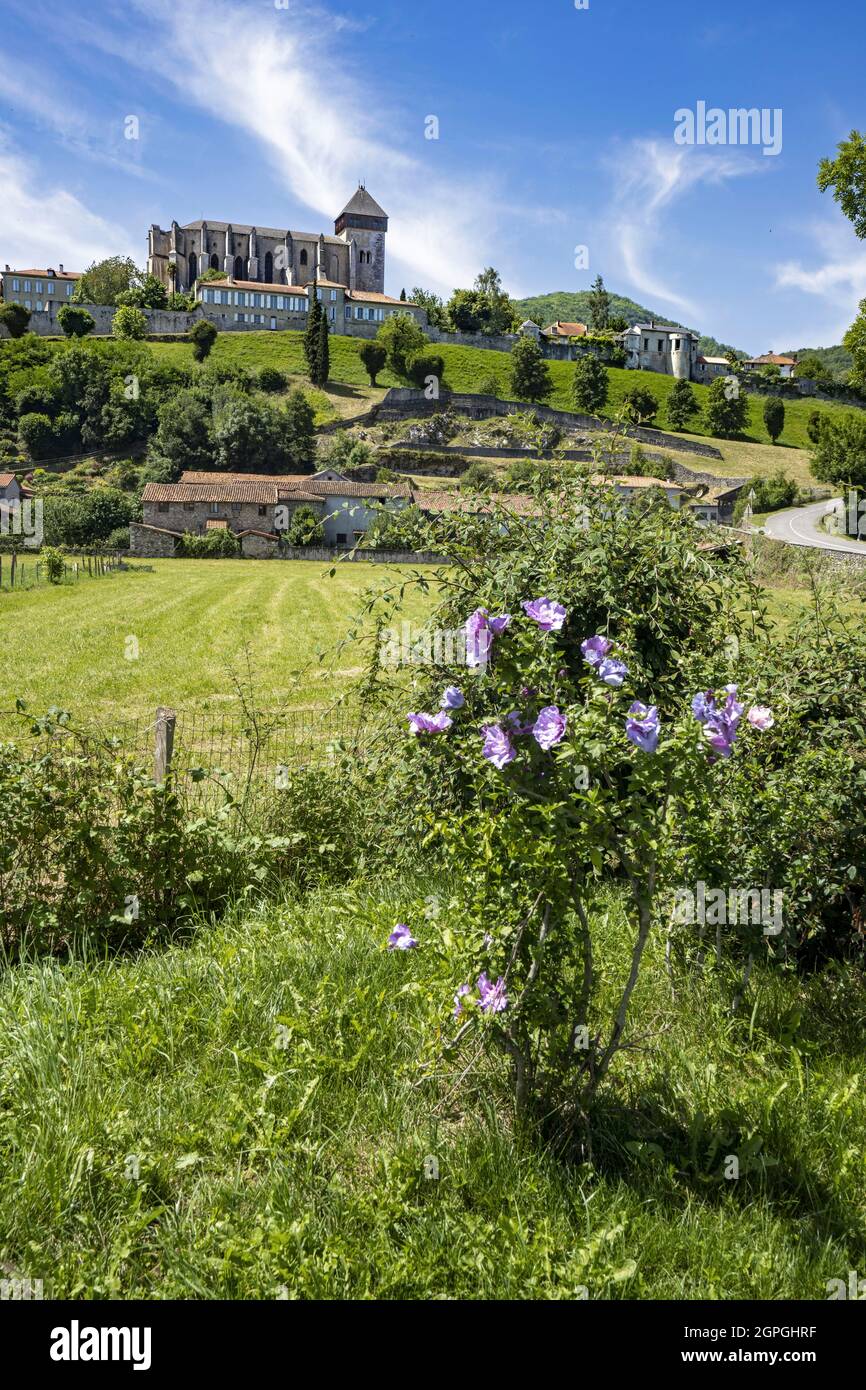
{"x":486,"y":308}
{"x":437,"y":315}
{"x":839,"y":455}
{"x":182,"y":439}
{"x":811,"y":368}
{"x":727,"y":408}
{"x":641,"y":406}
{"x":305,"y":528}
{"x":374,"y":356}
{"x":129,"y":323}
{"x":530,"y":377}
{"x":272,"y":379}
{"x":681,"y":405}
{"x":599,"y":304}
{"x":315,"y":313}
{"x":299,"y":432}
{"x":249,"y":436}
{"x":774,"y":416}
{"x":36,"y":435}
{"x":478,"y":477}
{"x":104,"y":281}
{"x":323,"y":355}
{"x":15,"y":319}
{"x":424,"y":365}
{"x":403,"y":295}
{"x":401,"y":338}
{"x":813,"y":425}
{"x":846,"y":175}
{"x":75,"y":321}
{"x":589,"y":385}
{"x":202,"y":335}
{"x":150,"y":293}
{"x":855,"y":342}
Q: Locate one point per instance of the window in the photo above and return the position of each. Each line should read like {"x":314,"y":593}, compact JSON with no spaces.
{"x":676,"y":344}
{"x":341,"y":538}
{"x":16,"y":284}
{"x":263,"y":511}
{"x":273,"y":322}
{"x":214,"y":506}
{"x":162,"y":506}
{"x":68,"y":291}
{"x":50,"y":288}
{"x":646,"y":344}
{"x":661,"y":344}
{"x":38,"y":286}
{"x":27,"y":304}
{"x":39,"y":306}
{"x":333,"y":315}
{"x":236,"y":508}
{"x":189,"y":506}
{"x":303,"y":258}
{"x":257,"y":301}
{"x":333,"y":296}
{"x":26,"y":286}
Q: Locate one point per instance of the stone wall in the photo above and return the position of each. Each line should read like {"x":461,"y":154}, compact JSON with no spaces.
{"x":403,"y":402}
{"x":149,"y":542}
{"x":327,"y":555}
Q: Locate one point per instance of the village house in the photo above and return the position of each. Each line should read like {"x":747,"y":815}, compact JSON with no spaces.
{"x":39,"y":291}
{"x":274,"y":306}
{"x":562,"y":329}
{"x":716,"y":505}
{"x":786,"y":365}
{"x":659,"y":347}
{"x":708,"y":368}
{"x":629,"y":486}
{"x":258,"y":508}
{"x":10,"y":488}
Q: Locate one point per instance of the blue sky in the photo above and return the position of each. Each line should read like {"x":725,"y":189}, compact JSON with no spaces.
{"x":556,"y":130}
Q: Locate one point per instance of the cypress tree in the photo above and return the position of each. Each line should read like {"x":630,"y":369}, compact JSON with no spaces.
{"x":315,"y":314}
{"x":323,"y":357}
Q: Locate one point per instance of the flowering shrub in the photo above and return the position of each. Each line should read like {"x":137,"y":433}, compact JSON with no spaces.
{"x":609,"y":726}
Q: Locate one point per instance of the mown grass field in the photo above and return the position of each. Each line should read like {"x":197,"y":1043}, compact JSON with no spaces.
{"x":190,"y":619}
{"x":246,"y":1116}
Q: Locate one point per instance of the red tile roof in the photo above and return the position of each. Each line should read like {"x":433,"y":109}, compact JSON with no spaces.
{"x":46,"y":274}
{"x":562,"y":329}
{"x":772,"y":359}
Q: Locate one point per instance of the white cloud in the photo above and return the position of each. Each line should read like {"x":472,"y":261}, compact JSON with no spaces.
{"x":840,"y":277}
{"x":281,"y":76}
{"x":42,"y":226}
{"x":651,"y":176}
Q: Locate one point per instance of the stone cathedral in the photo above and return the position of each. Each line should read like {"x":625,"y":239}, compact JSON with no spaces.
{"x":353,"y":257}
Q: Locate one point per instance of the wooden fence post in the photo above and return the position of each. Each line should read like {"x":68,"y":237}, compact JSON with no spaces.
{"x":166,"y":719}
{"x":12,"y":579}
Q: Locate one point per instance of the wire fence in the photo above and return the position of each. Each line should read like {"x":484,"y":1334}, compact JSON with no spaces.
{"x":25,"y":570}
{"x":210,"y":753}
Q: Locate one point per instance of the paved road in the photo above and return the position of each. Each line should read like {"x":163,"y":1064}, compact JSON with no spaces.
{"x":801,"y":526}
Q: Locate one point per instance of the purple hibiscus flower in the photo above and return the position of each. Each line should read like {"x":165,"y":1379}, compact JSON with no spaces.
{"x":516,"y":724}
{"x":401,"y":939}
{"x":642,"y":727}
{"x":549,"y":727}
{"x":452,"y":698}
{"x":549,"y":614}
{"x":458,"y":1000}
{"x":480,"y":630}
{"x":595,"y":649}
{"x":720,"y":722}
{"x":761,"y":717}
{"x":498,"y":748}
{"x":611,"y":671}
{"x":492,"y":998}
{"x":429,"y":723}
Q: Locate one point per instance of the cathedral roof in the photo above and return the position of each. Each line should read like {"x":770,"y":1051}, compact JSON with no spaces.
{"x":362,"y":205}
{"x":244,"y":228}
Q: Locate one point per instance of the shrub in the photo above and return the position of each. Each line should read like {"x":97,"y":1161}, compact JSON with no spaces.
{"x":271,"y":379}
{"x":129,"y":324}
{"x":305,"y":528}
{"x":589,"y":385}
{"x":36,"y":435}
{"x":681,"y":405}
{"x":219,"y":544}
{"x":424,"y":367}
{"x":54,"y":564}
{"x":530,"y":374}
{"x":202,"y":335}
{"x":640,"y":406}
{"x":478,"y":477}
{"x":374,"y":356}
{"x":14,"y":318}
{"x":401,"y":338}
{"x":75,"y":321}
{"x":839,"y":455}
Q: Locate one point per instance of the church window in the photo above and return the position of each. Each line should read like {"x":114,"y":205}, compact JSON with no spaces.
{"x":193,"y":267}
{"x":214,"y":262}
{"x":239,"y":268}
{"x":269,"y":268}
{"x":303,"y":258}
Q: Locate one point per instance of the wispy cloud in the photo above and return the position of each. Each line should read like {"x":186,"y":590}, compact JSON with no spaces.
{"x":290,"y":85}
{"x":42,"y":226}
{"x":651,"y":176}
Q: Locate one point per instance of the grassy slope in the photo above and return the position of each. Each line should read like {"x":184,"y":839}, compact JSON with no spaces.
{"x":466,"y":367}
{"x":191,"y":618}
{"x":160,"y":1137}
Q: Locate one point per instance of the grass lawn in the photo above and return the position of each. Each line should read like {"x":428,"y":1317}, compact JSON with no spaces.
{"x":190,"y":619}
{"x":245,"y":1117}
{"x":467,"y":367}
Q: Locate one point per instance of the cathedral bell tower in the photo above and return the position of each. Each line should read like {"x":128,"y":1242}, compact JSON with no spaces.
{"x":363,"y":225}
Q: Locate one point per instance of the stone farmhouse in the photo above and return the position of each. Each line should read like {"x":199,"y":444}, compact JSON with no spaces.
{"x":786,"y":365}
{"x":258,"y":507}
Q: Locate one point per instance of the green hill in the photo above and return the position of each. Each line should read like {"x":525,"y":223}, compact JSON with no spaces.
{"x":573,"y":306}
{"x":837,"y":360}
